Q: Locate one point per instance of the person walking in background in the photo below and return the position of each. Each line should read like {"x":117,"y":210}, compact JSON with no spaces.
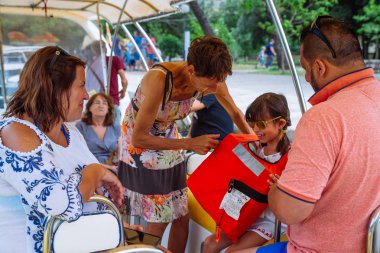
{"x":261,"y":57}
{"x":210,"y":118}
{"x":332,"y":173}
{"x":136,"y":55}
{"x":117,"y":69}
{"x":271,"y":53}
{"x":150,"y":51}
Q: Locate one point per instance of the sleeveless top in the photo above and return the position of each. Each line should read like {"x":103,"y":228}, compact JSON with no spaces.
{"x":164,"y":126}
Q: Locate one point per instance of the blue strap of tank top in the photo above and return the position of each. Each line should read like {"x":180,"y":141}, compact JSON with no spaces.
{"x":63,"y":129}
{"x":67,"y":136}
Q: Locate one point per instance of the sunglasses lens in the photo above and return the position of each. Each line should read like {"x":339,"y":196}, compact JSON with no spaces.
{"x":261,"y":124}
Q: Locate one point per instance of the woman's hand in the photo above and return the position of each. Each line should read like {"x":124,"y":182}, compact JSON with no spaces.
{"x":112,"y":185}
{"x":202,"y":144}
{"x":274,"y":180}
{"x":94,"y":177}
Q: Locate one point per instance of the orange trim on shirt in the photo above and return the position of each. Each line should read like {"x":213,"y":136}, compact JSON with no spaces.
{"x":296,"y":195}
{"x":352,"y":78}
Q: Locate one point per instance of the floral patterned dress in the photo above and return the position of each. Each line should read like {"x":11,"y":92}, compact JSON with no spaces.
{"x":155,"y":180}
{"x":38,"y":184}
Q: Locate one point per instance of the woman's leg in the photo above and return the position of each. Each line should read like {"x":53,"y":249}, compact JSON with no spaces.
{"x":178,"y":234}
{"x":248,"y":240}
{"x":156,"y":228}
{"x":211,"y":246}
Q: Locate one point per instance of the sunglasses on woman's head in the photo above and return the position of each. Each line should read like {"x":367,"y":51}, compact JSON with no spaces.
{"x":262,"y":124}
{"x":314,"y":29}
{"x":59,"y":51}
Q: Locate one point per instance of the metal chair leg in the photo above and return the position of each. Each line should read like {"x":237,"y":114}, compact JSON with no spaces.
{"x":277,"y":230}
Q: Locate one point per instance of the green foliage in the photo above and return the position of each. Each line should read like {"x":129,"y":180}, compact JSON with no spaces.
{"x":369,"y":21}
{"x":170,"y":45}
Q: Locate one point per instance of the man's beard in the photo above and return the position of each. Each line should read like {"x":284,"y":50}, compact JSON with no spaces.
{"x":313,"y":82}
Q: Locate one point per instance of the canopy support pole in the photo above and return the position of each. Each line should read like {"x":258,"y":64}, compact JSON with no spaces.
{"x":115,"y":35}
{"x":102,"y":53}
{"x":2,"y":65}
{"x":149,"y":41}
{"x":288,"y":54}
{"x":130,"y":36}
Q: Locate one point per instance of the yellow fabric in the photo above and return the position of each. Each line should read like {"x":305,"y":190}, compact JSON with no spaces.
{"x":199,"y":215}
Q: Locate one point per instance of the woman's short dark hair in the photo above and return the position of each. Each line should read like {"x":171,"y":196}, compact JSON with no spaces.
{"x":210,"y":58}
{"x":44,"y":87}
{"x":87,"y":116}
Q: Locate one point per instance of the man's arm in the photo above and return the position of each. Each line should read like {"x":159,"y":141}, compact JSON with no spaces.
{"x":124,"y":83}
{"x":273,"y":51}
{"x":287,"y":208}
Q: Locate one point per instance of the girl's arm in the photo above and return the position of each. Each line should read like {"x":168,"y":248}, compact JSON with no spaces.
{"x":225,"y":99}
{"x":153,"y":85}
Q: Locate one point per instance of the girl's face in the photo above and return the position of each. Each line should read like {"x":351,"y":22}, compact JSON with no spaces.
{"x":269,"y":129}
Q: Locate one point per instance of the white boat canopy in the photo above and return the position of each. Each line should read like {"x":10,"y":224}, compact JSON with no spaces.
{"x":134,"y":11}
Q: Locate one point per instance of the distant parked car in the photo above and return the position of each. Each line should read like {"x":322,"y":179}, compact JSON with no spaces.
{"x":14,"y":60}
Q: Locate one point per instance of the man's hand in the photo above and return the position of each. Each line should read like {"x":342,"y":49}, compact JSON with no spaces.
{"x":122,"y":93}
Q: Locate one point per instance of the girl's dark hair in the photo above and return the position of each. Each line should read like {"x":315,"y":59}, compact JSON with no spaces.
{"x":272,"y":105}
{"x":87,"y":116}
{"x":44,"y":87}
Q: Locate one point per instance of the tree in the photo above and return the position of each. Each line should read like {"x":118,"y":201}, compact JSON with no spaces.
{"x":369,"y":26}
{"x":170,"y":46}
{"x":294,"y":15}
{"x":201,"y":17}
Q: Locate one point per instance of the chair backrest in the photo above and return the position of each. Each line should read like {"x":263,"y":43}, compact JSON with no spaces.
{"x":93,"y":231}
{"x":373,"y":237}
{"x":137,"y":248}
{"x":193,"y":161}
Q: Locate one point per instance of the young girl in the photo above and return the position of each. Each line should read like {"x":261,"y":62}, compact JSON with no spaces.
{"x":269,"y":118}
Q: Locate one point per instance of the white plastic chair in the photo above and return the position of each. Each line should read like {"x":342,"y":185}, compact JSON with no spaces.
{"x":373,"y":236}
{"x":137,"y":248}
{"x":193,"y":161}
{"x":93,"y":231}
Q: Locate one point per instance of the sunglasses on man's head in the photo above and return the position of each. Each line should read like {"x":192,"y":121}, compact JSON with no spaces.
{"x":262,"y":124}
{"x":59,"y":51}
{"x":314,"y":29}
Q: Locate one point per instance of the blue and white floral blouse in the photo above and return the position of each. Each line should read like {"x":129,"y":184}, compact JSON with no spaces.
{"x":37,"y":184}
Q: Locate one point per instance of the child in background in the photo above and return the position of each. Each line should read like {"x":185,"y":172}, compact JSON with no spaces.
{"x":261,"y":57}
{"x":269,"y":118}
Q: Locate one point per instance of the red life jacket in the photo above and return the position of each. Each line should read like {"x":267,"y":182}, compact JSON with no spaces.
{"x":234,"y":166}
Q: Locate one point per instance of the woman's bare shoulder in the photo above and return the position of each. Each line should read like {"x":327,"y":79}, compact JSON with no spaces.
{"x":19,"y":137}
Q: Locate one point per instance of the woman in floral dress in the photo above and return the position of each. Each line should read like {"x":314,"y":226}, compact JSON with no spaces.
{"x":152,"y":164}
